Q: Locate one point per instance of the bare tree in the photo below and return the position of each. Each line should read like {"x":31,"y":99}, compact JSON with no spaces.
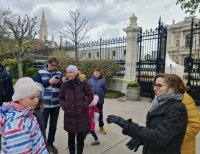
{"x":75,"y":31}
{"x":4,"y":15}
{"x":21,"y":34}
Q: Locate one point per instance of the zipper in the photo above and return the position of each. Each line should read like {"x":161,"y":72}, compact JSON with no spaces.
{"x":96,"y":86}
{"x":75,"y":104}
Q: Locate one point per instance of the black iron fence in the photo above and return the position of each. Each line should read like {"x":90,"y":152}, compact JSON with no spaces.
{"x":102,"y":49}
{"x":192,"y":62}
{"x":151,"y":57}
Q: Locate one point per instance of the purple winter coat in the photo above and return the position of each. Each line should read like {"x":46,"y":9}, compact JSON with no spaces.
{"x":75,"y":97}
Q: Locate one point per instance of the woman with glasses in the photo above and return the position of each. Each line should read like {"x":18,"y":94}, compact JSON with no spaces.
{"x":166,"y":119}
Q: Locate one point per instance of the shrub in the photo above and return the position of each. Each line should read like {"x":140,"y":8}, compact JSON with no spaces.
{"x":108,"y":67}
{"x":133,"y":84}
{"x":11,"y":66}
{"x":31,"y":72}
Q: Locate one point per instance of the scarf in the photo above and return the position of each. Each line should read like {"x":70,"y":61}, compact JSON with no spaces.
{"x":163,"y":98}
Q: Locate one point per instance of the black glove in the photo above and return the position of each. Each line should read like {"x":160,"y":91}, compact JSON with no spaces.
{"x":116,"y":119}
{"x":133,"y":144}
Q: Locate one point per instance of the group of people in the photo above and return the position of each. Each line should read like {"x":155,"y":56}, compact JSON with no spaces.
{"x":25,"y":121}
{"x":172,"y":120}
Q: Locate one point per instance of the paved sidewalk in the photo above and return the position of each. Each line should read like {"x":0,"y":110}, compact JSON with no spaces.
{"x":114,"y":141}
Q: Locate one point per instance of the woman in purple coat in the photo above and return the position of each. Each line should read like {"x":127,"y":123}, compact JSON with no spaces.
{"x":75,"y":97}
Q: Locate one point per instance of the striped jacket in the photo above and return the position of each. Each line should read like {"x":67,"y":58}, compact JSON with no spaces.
{"x":20,"y":131}
{"x":51,"y":92}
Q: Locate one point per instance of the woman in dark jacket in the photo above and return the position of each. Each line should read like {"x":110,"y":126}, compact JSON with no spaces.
{"x":75,"y":97}
{"x":166,"y":120}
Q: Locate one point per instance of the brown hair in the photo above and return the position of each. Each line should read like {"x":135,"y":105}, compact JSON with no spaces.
{"x":174,"y":82}
{"x":40,"y":104}
{"x":97,"y":69}
{"x":53,"y":59}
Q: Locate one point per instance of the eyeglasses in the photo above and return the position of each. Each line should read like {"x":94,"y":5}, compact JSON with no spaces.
{"x":54,"y":65}
{"x":158,"y":85}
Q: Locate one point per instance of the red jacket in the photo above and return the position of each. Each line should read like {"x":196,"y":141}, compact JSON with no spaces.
{"x":92,"y":110}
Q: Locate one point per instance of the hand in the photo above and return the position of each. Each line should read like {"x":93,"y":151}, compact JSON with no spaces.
{"x":116,"y":119}
{"x":54,"y":80}
{"x":133,"y":144}
{"x":6,"y":106}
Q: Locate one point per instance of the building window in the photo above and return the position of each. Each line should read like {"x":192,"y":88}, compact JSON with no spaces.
{"x":177,"y":43}
{"x":113,"y":53}
{"x":89,"y":54}
{"x":97,"y":54}
{"x":187,"y":40}
{"x":124,"y":52}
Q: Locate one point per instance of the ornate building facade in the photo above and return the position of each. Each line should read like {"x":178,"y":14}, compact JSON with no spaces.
{"x":178,"y":41}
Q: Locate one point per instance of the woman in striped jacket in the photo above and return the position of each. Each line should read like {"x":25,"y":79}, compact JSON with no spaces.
{"x":18,"y":126}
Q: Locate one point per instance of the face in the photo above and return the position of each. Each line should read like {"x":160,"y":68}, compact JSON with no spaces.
{"x":160,"y":86}
{"x":52,"y":66}
{"x":30,"y":101}
{"x":70,"y":75}
{"x":97,"y":74}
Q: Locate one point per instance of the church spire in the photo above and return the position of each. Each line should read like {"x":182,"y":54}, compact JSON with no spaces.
{"x":43,"y":35}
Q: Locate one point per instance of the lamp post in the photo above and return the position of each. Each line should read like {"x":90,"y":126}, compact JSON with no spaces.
{"x":46,"y":46}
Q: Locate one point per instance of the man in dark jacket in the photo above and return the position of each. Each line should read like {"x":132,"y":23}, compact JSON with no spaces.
{"x":98,"y":87}
{"x":6,"y":86}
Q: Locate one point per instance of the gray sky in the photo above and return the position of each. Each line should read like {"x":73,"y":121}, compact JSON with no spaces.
{"x":107,"y":17}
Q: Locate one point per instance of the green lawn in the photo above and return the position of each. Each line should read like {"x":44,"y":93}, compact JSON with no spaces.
{"x":114,"y":94}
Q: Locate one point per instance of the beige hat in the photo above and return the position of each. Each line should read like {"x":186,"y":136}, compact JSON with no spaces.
{"x":25,"y":87}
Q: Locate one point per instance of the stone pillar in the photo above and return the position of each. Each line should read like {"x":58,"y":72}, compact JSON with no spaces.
{"x":131,"y":49}
{"x":131,"y":52}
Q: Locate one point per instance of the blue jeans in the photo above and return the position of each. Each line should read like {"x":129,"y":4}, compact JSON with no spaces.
{"x":93,"y":134}
{"x":53,"y":113}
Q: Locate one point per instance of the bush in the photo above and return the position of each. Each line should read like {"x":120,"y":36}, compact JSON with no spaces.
{"x":27,"y":63}
{"x":11,"y":66}
{"x":31,"y":72}
{"x":108,"y":67}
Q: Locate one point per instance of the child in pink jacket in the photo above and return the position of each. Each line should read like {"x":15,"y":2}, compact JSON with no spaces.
{"x":92,"y":115}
